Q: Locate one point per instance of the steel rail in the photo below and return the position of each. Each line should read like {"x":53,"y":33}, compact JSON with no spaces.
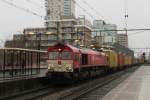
{"x":75,"y":95}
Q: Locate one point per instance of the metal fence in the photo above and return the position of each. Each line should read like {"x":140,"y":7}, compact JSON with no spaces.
{"x":17,"y":63}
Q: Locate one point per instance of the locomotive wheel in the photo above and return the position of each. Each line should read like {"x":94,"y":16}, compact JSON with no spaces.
{"x":80,"y":76}
{"x":75,"y":77}
{"x":89,"y":74}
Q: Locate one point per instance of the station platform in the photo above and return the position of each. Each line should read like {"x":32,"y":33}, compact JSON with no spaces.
{"x":9,"y":78}
{"x":136,"y":87}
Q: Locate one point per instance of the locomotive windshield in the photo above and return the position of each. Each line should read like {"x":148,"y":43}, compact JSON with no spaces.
{"x":53,"y":55}
{"x":60,"y":55}
{"x":66,"y":55}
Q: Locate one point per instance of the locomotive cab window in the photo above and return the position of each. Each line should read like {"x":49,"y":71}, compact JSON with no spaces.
{"x":66,"y":55}
{"x":53,"y":55}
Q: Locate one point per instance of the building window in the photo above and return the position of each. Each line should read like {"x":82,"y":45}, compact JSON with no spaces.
{"x":67,"y":36}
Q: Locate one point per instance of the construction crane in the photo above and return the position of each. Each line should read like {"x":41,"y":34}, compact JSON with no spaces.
{"x":126,"y":15}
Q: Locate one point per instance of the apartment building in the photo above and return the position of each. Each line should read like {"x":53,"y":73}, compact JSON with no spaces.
{"x":123,"y":39}
{"x":105,"y":33}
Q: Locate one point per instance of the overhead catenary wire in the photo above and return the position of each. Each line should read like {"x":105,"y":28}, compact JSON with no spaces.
{"x":22,"y":8}
{"x":93,"y":9}
{"x":139,"y":32}
{"x":35,"y":3}
{"x":83,"y":9}
{"x":96,"y":12}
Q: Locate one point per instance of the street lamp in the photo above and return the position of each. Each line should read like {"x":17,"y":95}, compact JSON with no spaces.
{"x":92,"y":45}
{"x":25,"y":39}
{"x":81,"y":45}
{"x":76,"y":40}
{"x":48,"y":33}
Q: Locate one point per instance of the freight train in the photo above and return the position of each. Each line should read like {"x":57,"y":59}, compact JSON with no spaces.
{"x":66,"y":60}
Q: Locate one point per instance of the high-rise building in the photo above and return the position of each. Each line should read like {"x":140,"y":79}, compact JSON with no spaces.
{"x":68,"y":8}
{"x":107,"y":37}
{"x":123,"y":39}
{"x":61,"y":16}
{"x":83,"y":31}
{"x":53,"y":9}
{"x":98,"y":24}
{"x":57,"y":10}
{"x":61,"y":25}
{"x":110,"y":36}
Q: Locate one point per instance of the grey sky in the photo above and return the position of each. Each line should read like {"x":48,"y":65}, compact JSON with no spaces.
{"x":13,"y":20}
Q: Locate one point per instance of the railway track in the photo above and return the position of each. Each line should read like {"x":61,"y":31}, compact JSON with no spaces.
{"x":38,"y":93}
{"x":81,"y":89}
{"x":72,"y":92}
{"x":98,"y":91}
{"x":96,"y":84}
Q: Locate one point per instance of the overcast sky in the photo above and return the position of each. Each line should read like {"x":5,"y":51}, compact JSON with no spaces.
{"x":13,"y":20}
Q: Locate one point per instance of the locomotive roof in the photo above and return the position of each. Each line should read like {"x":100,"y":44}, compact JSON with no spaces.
{"x":85,"y":50}
{"x":74,"y":49}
